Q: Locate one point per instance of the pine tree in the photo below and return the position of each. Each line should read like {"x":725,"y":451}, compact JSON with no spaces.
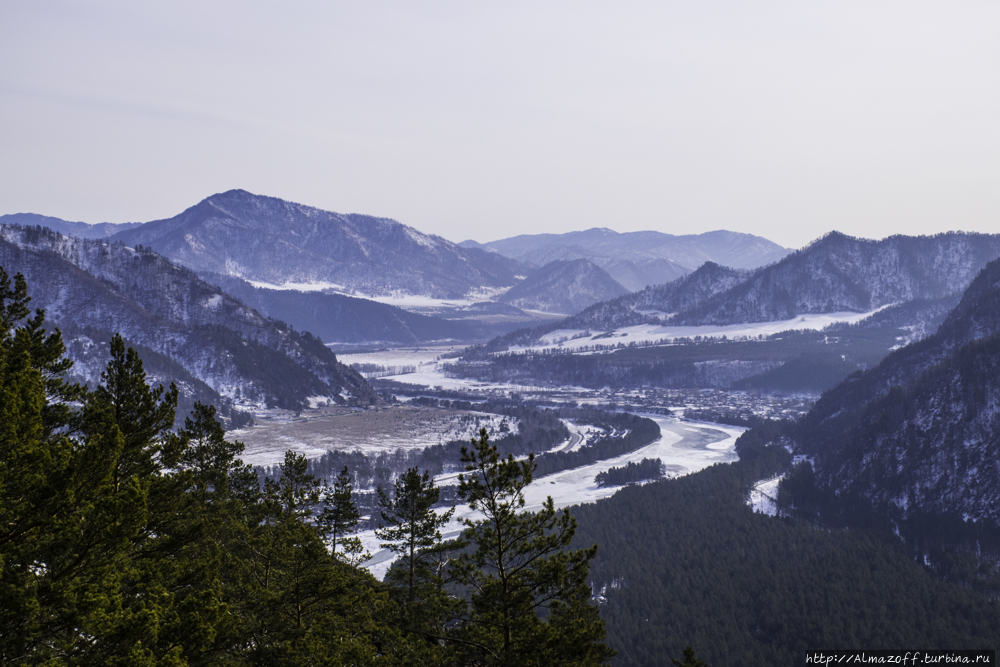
{"x":143,"y":415}
{"x":340,"y":518}
{"x":410,"y":526}
{"x":302,"y":606}
{"x":528,"y":596}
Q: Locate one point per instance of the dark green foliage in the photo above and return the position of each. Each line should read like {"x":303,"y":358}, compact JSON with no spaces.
{"x":690,"y":659}
{"x":528,"y":597}
{"x":410,"y":527}
{"x":340,"y":518}
{"x":686,"y":562}
{"x":123,"y":543}
{"x":645,"y":470}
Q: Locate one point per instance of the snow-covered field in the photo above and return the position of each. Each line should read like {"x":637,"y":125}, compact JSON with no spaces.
{"x":654,"y":333}
{"x":684,"y":447}
{"x":430,"y":370}
{"x":396,"y":298}
{"x":371,"y":431}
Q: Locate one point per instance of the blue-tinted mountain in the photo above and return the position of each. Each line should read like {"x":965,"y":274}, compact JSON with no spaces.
{"x":921,"y":431}
{"x":269,"y":240}
{"x":842,"y":273}
{"x":640,"y":259}
{"x":339,"y":319}
{"x":563,"y":287}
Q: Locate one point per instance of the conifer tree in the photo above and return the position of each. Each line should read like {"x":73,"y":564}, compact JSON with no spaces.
{"x":143,"y":415}
{"x":528,"y":596}
{"x":410,"y":526}
{"x":340,"y":518}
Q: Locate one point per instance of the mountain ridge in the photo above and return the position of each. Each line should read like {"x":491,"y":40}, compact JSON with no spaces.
{"x":269,"y":240}
{"x":232,"y":348}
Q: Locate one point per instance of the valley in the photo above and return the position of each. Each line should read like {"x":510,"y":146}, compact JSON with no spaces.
{"x":764,"y":389}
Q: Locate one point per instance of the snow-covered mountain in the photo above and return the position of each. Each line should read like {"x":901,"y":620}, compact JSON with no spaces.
{"x":639,"y":259}
{"x":921,"y":431}
{"x":841,"y":273}
{"x":268,"y":240}
{"x":94,"y":288}
{"x":838,"y":273}
{"x":563,"y":287}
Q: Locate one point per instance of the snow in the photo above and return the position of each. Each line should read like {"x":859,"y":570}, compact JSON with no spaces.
{"x":419,"y":238}
{"x":318,"y":286}
{"x":764,"y":496}
{"x":431,"y":371}
{"x":684,"y":447}
{"x":655,"y":333}
{"x":394,"y":298}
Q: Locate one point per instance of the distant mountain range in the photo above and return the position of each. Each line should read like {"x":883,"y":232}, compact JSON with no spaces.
{"x":282,"y":246}
{"x":640,"y":259}
{"x":837,"y":273}
{"x":82,"y":230}
{"x":92,"y":289}
{"x":342,"y":320}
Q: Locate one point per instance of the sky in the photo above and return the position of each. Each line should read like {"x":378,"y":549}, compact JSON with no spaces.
{"x":786,"y":119}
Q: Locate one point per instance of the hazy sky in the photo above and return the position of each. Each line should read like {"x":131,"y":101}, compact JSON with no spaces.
{"x":485,"y":120}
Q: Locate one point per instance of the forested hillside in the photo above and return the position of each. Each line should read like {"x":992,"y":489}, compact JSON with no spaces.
{"x":336,"y":318}
{"x":687,"y":562}
{"x":241,"y":355}
{"x":919,"y":430}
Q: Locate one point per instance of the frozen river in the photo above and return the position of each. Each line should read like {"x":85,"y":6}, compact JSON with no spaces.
{"x":684,"y":447}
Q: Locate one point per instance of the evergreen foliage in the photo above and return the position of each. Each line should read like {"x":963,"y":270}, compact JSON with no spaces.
{"x":528,"y":596}
{"x":123,"y":543}
{"x":410,"y":526}
{"x":645,"y":470}
{"x":340,"y":518}
{"x":687,"y":562}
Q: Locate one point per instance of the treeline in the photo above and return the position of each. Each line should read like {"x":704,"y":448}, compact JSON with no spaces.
{"x":687,"y":562}
{"x":788,"y":361}
{"x":631,"y":472}
{"x":124,"y":543}
{"x":638,"y":432}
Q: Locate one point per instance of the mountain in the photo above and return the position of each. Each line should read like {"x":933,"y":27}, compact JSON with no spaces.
{"x":342,"y":319}
{"x":92,"y":288}
{"x":264,"y":239}
{"x":80,"y":230}
{"x":835,"y":274}
{"x":918,"y":433}
{"x":563,"y":287}
{"x":842,"y":273}
{"x":638,"y":259}
{"x":654,"y":304}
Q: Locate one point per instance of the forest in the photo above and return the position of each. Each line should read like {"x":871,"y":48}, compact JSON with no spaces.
{"x":126,"y":543}
{"x":687,"y":562}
